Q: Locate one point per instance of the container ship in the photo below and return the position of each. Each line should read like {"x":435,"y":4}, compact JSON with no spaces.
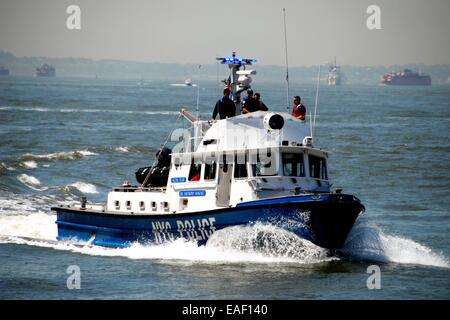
{"x":406,"y":78}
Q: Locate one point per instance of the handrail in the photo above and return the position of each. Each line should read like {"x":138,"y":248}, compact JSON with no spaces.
{"x":139,"y":189}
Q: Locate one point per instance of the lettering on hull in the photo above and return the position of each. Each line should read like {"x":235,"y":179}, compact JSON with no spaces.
{"x":193,"y":229}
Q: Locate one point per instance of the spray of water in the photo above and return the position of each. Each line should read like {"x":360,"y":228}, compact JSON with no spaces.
{"x":367,"y":241}
{"x":21,"y":223}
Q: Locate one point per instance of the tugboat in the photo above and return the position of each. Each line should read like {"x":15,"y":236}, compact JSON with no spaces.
{"x":335,"y":75}
{"x":256,"y":167}
{"x":406,"y":78}
{"x":4,"y":71}
{"x":45,"y":70}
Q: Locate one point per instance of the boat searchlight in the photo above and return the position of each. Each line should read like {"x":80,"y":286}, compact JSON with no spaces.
{"x":273,"y":121}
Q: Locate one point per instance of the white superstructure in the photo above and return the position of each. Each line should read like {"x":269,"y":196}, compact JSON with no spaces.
{"x":219,"y":164}
{"x":238,"y":159}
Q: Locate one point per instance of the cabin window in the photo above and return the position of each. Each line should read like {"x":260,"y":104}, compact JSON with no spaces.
{"x":165,"y":205}
{"x":128,"y":204}
{"x":293,"y":165}
{"x":265,"y":166}
{"x":117,"y":204}
{"x":240,"y":166}
{"x":210,"y":171}
{"x":142,"y":205}
{"x":153,"y":204}
{"x":194,"y":172}
{"x":317,"y":168}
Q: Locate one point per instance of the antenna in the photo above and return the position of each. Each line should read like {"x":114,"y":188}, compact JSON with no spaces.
{"x":198,"y":88}
{"x":287,"y":64}
{"x":317,"y":98}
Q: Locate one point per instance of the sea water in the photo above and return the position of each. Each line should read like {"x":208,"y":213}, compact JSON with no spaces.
{"x":61,"y":139}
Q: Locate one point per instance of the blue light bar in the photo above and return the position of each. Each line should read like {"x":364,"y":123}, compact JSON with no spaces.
{"x":236,"y":60}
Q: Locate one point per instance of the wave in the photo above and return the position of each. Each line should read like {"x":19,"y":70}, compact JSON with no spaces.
{"x":30,"y":164}
{"x":30,"y":160}
{"x":258,"y":243}
{"x":40,"y":230}
{"x":40,"y":226}
{"x":25,"y":109}
{"x":31,"y":182}
{"x":84,"y":187}
{"x":264,"y":242}
{"x":15,"y":204}
{"x":28,"y":109}
{"x":65,"y":155}
{"x":121,"y":149}
{"x":369,"y":242}
{"x":3,"y":166}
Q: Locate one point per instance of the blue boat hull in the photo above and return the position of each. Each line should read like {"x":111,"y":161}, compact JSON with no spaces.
{"x":324,"y":219}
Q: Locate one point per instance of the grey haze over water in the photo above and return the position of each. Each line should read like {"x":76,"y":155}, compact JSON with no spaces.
{"x":175,"y":31}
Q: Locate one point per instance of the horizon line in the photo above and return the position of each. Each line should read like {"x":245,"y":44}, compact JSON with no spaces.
{"x":211,"y":64}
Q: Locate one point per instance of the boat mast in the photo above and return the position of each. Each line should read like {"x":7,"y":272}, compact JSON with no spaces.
{"x":316,"y":101}
{"x":198,"y":91}
{"x":239,"y":79}
{"x":287,"y":64}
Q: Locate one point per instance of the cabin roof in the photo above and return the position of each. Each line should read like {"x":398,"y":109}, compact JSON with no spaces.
{"x":249,"y":131}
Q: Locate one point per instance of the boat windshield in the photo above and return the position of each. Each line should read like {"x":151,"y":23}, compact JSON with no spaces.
{"x":293,"y":165}
{"x":317,"y":168}
{"x":266,"y":166}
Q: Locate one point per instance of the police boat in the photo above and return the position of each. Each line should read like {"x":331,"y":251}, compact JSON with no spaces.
{"x":256,"y":167}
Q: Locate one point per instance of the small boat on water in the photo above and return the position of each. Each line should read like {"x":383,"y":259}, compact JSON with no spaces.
{"x":187,"y":83}
{"x":45,"y":70}
{"x":260,"y":167}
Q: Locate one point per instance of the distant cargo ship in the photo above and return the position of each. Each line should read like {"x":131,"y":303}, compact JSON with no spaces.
{"x":45,"y":70}
{"x":335,"y":75}
{"x":406,"y":78}
{"x":4,"y":71}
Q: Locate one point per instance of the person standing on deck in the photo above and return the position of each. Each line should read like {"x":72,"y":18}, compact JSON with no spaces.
{"x":225,"y":107}
{"x":249,"y":104}
{"x":299,"y":110}
{"x":261,"y":105}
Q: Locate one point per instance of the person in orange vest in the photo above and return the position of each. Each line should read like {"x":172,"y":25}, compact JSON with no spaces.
{"x":299,"y":110}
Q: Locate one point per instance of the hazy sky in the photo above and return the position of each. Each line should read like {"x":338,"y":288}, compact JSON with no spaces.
{"x":196,"y":31}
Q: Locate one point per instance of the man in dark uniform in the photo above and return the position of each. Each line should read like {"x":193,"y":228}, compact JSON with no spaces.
{"x":299,"y":110}
{"x":225,"y":107}
{"x":249,"y":104}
